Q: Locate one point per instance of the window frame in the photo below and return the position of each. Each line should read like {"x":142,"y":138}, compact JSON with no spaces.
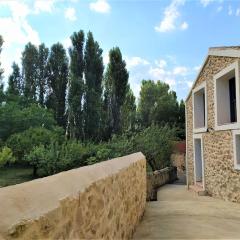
{"x":229,"y":126}
{"x":203,"y":85}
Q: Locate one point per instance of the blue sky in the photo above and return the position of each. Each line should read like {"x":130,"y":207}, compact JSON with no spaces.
{"x":159,"y":39}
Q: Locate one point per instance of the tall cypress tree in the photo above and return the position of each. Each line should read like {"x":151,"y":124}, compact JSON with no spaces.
{"x":43,"y":54}
{"x":128,"y":111}
{"x":1,"y":73}
{"x":76,"y":87}
{"x":93,"y":77}
{"x":15,"y":81}
{"x":116,"y":83}
{"x":57,"y":82}
{"x":29,"y":71}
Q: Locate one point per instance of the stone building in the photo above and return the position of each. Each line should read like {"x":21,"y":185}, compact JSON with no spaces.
{"x":213,"y":126}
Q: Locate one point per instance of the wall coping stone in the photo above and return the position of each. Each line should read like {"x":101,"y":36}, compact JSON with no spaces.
{"x":31,"y":200}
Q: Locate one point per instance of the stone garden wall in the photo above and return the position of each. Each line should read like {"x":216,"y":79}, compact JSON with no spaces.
{"x":157,"y":179}
{"x":221,"y":179}
{"x":105,"y":200}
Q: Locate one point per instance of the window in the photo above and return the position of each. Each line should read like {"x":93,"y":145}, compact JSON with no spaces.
{"x":236,"y":148}
{"x":199,"y":109}
{"x":227,"y":98}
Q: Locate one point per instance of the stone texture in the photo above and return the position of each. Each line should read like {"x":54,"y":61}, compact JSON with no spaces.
{"x":158,"y":178}
{"x":102,"y":201}
{"x":221,"y":179}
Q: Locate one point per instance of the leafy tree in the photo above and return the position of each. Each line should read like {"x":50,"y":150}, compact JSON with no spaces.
{"x":57,"y":82}
{"x":15,"y":119}
{"x":29,"y":70}
{"x":156,"y":143}
{"x":6,"y":156}
{"x":93,"y":77}
{"x":76,"y":86}
{"x":181,"y":120}
{"x":128,"y":112}
{"x":15,"y":81}
{"x":43,"y":54}
{"x":157,"y":104}
{"x":1,"y":73}
{"x":24,"y":142}
{"x":116,"y":84}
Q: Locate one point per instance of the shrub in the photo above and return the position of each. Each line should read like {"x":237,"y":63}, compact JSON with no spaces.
{"x":6,"y":156}
{"x":15,"y":118}
{"x":22,"y":143}
{"x":156,"y":143}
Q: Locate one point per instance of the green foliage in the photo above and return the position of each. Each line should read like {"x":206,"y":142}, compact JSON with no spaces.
{"x":2,"y":96}
{"x":156,"y":144}
{"x":14,"y":118}
{"x":57,"y":82}
{"x":22,"y":143}
{"x":29,"y":69}
{"x":76,"y":87}
{"x":15,"y":81}
{"x":93,"y":76}
{"x":43,"y":54}
{"x":128,"y":112}
{"x":116,"y":85}
{"x":157,"y":105}
{"x":6,"y":156}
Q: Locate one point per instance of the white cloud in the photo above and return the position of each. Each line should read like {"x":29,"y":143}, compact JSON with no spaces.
{"x":101,"y":6}
{"x":171,"y":15}
{"x":230,"y":10}
{"x":16,"y":31}
{"x":161,"y":63}
{"x":180,"y":70}
{"x":184,"y":26}
{"x":220,"y":8}
{"x":238,"y":12}
{"x":197,"y":68}
{"x":43,"y":6}
{"x":205,"y":2}
{"x":70,"y":14}
{"x":135,"y":61}
{"x":67,"y":43}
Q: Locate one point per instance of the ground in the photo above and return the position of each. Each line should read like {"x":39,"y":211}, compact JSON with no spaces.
{"x":181,"y":214}
{"x":14,"y":175}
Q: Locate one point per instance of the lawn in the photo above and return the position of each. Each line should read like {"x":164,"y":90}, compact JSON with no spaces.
{"x":14,"y":175}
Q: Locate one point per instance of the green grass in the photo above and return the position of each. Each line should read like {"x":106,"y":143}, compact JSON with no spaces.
{"x":14,"y":175}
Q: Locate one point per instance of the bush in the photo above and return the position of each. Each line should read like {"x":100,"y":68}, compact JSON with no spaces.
{"x":156,"y":143}
{"x":43,"y":160}
{"x":22,"y":143}
{"x":15,"y":118}
{"x":6,"y":156}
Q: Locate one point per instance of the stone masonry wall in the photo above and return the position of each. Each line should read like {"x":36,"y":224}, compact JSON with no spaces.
{"x":221,"y":179}
{"x":158,"y":178}
{"x":102,"y":201}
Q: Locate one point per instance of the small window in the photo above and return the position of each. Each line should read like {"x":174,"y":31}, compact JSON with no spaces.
{"x":236,"y":148}
{"x":199,"y":108}
{"x":226,"y":98}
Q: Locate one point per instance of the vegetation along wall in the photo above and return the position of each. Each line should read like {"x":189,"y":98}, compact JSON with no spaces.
{"x":102,"y":200}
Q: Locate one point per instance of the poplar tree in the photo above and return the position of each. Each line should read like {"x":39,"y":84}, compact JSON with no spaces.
{"x":93,"y":97}
{"x":57,"y":82}
{"x":29,"y":71}
{"x":116,"y":81}
{"x":76,"y":86}
{"x":15,"y":81}
{"x":43,"y":54}
{"x":1,"y":73}
{"x":128,"y":111}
